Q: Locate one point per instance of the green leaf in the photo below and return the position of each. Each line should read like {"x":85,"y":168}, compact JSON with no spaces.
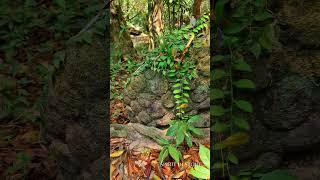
{"x":180,"y":134}
{"x":233,"y":177}
{"x":218,"y":58}
{"x":163,"y":141}
{"x":219,"y":146}
{"x":61,"y":3}
{"x":204,"y":154}
{"x":186,"y":88}
{"x":220,"y":127}
{"x":177,"y":96}
{"x":234,"y":28}
{"x":196,"y":131}
{"x":236,"y":139}
{"x":216,"y":110}
{"x":260,"y":3}
{"x":232,"y":158}
{"x":188,"y":139}
{"x":261,"y":16}
{"x":243,"y":66}
{"x":58,"y":58}
{"x":194,"y":118}
{"x":177,"y":91}
{"x":200,"y":172}
{"x":244,"y":84}
{"x":185,"y":94}
{"x":163,"y":57}
{"x":176,"y":85}
{"x":267,"y":37}
{"x":172,"y":130}
{"x":244,"y":105}
{"x":174,"y":153}
{"x":278,"y":175}
{"x":255,"y":49}
{"x":218,"y":74}
{"x":241,"y":123}
{"x":216,"y":94}
{"x":219,"y":165}
{"x":163,"y":154}
{"x":219,"y":10}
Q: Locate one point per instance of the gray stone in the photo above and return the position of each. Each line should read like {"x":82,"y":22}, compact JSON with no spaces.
{"x":268,"y":161}
{"x":205,"y":105}
{"x":167,"y":100}
{"x":288,"y":103}
{"x":200,"y":94}
{"x":135,"y":106}
{"x":158,"y":85}
{"x":143,"y":117}
{"x":149,"y":74}
{"x":305,"y":136}
{"x":146,"y":99}
{"x":165,"y":120}
{"x":82,"y":144}
{"x":156,"y":110}
{"x":300,"y":19}
{"x":205,"y":122}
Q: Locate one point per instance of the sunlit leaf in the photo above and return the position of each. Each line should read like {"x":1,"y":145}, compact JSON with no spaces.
{"x":174,"y":153}
{"x":204,"y":154}
{"x":117,"y":153}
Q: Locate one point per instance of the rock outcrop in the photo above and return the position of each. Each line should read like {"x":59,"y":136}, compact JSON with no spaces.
{"x":285,"y":127}
{"x":76,"y":114}
{"x":149,"y":99}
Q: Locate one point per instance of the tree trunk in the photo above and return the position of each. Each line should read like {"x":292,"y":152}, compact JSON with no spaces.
{"x":121,"y":39}
{"x":155,"y":21}
{"x":196,"y":9}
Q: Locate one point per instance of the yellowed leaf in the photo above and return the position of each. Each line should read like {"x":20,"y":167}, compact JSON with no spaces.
{"x":237,"y":139}
{"x":117,"y":153}
{"x":183,"y":106}
{"x":155,"y":177}
{"x":30,"y":137}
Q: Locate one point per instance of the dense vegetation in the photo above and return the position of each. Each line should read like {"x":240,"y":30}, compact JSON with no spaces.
{"x":33,"y":38}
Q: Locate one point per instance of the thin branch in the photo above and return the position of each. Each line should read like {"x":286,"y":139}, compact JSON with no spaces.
{"x":93,"y":20}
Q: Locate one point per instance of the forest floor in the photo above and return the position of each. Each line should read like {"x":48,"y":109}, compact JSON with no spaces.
{"x":142,"y":164}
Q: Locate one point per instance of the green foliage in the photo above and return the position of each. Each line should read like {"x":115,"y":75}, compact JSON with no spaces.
{"x":21,"y":164}
{"x":202,"y":172}
{"x":171,"y":60}
{"x":33,"y":34}
{"x":256,"y":175}
{"x":242,"y":30}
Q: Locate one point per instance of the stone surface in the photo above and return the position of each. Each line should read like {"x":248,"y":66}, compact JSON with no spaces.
{"x":152,"y":102}
{"x":285,"y":124}
{"x":288,"y":103}
{"x":76,"y":112}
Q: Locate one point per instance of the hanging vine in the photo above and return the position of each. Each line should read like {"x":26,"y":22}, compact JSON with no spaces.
{"x":242,"y":29}
{"x":171,"y":59}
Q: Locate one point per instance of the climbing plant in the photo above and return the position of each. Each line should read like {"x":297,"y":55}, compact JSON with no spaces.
{"x":171,"y":59}
{"x":242,"y":29}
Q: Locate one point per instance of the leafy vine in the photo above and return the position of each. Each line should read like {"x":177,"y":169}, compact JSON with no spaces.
{"x":241,"y":29}
{"x":171,"y":60}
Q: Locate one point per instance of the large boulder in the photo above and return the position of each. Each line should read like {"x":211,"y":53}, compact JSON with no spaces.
{"x":76,"y":113}
{"x":149,"y":98}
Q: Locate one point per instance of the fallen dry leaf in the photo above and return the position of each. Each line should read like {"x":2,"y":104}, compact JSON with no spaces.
{"x":179,"y":175}
{"x":117,"y":153}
